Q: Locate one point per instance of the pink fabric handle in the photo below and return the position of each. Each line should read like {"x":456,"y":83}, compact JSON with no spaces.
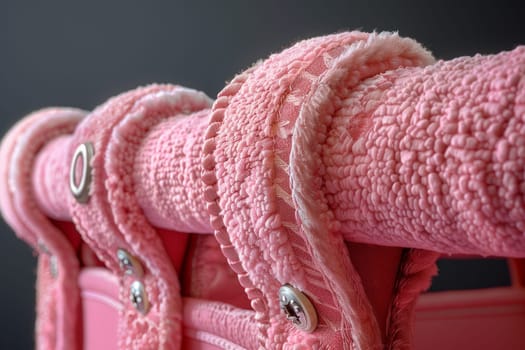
{"x":57,"y":296}
{"x":167,"y":174}
{"x":433,"y":157}
{"x":112,"y":218}
{"x":344,"y":137}
{"x":423,"y":157}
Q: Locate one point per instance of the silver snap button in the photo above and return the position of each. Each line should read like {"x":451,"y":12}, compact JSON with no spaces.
{"x":297,"y":308}
{"x":138,"y":297}
{"x":129,"y":264}
{"x":80,"y":190}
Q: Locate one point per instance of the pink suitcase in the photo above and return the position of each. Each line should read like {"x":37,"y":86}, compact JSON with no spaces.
{"x":332,"y":176}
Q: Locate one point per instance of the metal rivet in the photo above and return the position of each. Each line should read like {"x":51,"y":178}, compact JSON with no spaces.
{"x":43,"y":248}
{"x":53,"y":263}
{"x":297,"y":308}
{"x":53,"y":266}
{"x":80,"y":191}
{"x":139,"y":297}
{"x":129,"y":264}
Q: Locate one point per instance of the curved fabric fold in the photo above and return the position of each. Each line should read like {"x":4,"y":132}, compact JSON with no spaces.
{"x":57,"y":300}
{"x":112,"y":218}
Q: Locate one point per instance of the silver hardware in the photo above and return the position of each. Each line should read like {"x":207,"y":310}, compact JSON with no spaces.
{"x":53,"y":266}
{"x":298,"y":308}
{"x":139,"y":297}
{"x":53,"y":263}
{"x":129,"y":264}
{"x":43,"y":248}
{"x":80,"y":191}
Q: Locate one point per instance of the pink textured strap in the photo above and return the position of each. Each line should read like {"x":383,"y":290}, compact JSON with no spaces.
{"x":57,"y":292}
{"x":112,"y":218}
{"x":306,"y":150}
{"x":166,"y":173}
{"x":409,"y":158}
{"x":430,"y":157}
{"x":346,"y":161}
{"x":254,"y":195}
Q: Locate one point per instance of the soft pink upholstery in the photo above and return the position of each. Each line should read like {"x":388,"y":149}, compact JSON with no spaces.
{"x":207,"y":325}
{"x":478,"y":319}
{"x":112,"y":219}
{"x":100,"y":308}
{"x":487,"y":319}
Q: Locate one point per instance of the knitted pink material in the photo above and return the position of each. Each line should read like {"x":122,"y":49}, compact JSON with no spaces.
{"x":320,"y":165}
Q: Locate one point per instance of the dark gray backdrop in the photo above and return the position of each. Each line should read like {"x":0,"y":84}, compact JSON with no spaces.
{"x":80,"y":53}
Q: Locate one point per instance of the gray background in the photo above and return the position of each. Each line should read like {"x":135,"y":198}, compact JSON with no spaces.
{"x":78,"y":54}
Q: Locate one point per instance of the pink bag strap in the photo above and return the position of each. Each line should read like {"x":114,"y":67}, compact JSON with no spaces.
{"x":315,"y":147}
{"x":57,"y":292}
{"x":165,"y":173}
{"x":318,"y":163}
{"x":409,"y":163}
{"x":111,"y":219}
{"x":260,"y":108}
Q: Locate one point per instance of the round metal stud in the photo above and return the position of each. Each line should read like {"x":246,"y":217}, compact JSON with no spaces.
{"x":80,"y":190}
{"x":53,"y":263}
{"x":53,"y":266}
{"x":298,"y":308}
{"x":139,"y":298}
{"x":43,"y":248}
{"x":129,"y":264}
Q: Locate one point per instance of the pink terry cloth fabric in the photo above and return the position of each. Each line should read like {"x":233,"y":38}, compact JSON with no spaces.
{"x":57,"y":297}
{"x":346,"y":138}
{"x":165,"y":167}
{"x":167,"y":174}
{"x":310,"y":160}
{"x":112,"y":218}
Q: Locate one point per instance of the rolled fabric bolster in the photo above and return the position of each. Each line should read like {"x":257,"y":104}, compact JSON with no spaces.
{"x":438,"y":169}
{"x":433,"y":157}
{"x":166,"y":172}
{"x":50,"y":178}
